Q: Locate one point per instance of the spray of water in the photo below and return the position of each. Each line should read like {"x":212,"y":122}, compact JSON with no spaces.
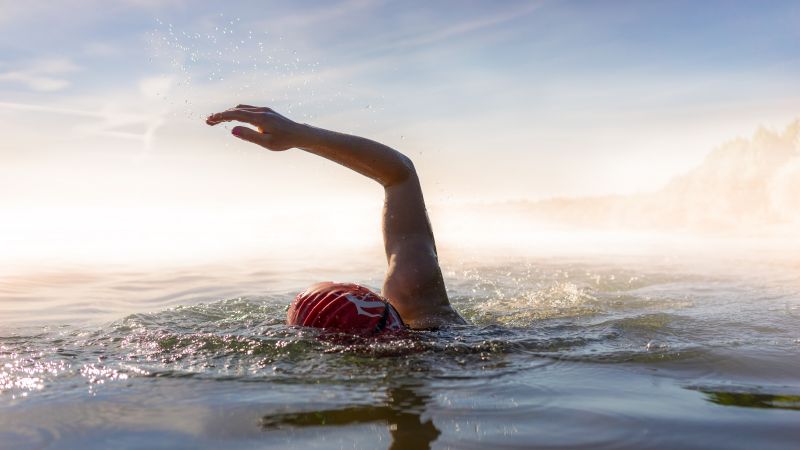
{"x":224,"y":58}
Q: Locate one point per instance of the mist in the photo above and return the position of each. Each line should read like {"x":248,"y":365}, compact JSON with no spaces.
{"x":744,"y":187}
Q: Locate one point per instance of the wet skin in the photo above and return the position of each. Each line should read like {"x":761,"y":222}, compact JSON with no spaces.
{"x":413,"y":283}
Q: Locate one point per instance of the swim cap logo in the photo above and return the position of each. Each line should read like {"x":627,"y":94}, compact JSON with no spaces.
{"x":361,"y":304}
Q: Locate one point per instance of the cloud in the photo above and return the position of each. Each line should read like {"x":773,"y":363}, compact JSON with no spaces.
{"x":113,"y":122}
{"x":45,"y":75}
{"x":42,"y":84}
{"x":325,"y":14}
{"x":49,"y":109}
{"x":14,"y":12}
{"x":471,"y":26}
{"x":460,"y":28}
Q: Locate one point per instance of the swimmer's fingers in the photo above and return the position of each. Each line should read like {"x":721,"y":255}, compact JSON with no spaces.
{"x":252,"y":108}
{"x":249,"y":134}
{"x":265,"y":140}
{"x":240,"y":115}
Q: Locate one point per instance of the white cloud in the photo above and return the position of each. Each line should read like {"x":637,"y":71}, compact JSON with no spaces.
{"x":114,"y":121}
{"x":53,"y":66}
{"x":45,"y":75}
{"x":37,"y":83}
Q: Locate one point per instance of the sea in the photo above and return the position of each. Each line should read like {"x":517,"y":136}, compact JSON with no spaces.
{"x":599,"y":347}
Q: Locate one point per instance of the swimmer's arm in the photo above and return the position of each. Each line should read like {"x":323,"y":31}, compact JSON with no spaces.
{"x":278,"y":133}
{"x":413,"y":283}
{"x":367,"y":157}
{"x":414,"y":279}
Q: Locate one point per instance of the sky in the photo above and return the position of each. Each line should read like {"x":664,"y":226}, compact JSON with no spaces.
{"x":102,"y":103}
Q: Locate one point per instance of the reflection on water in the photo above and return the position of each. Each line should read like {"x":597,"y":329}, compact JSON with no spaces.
{"x":753,"y":399}
{"x":615,"y":348}
{"x":402,"y":414}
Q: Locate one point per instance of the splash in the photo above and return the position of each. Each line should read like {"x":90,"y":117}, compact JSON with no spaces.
{"x":225,"y":58}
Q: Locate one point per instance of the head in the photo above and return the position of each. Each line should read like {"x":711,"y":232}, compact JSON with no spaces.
{"x":344,"y":307}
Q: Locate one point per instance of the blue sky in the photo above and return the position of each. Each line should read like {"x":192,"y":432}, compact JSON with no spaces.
{"x":102,"y":106}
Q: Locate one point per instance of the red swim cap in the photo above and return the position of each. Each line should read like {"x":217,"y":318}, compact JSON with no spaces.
{"x":343,"y":307}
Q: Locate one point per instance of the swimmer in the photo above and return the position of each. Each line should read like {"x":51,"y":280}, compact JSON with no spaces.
{"x":413,"y":292}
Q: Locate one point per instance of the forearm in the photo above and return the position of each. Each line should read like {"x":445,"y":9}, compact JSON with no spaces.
{"x":367,"y":157}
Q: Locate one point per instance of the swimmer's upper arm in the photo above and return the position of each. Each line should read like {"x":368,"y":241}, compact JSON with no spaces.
{"x":405,"y":218}
{"x":414,"y":283}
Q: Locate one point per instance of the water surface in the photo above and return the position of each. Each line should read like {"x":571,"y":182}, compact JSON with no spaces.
{"x":572,"y":352}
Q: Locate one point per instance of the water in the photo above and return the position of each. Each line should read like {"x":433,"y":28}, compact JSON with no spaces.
{"x":225,"y":57}
{"x":570,"y":352}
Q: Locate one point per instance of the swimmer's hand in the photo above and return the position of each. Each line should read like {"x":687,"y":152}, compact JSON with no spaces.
{"x":272,"y":130}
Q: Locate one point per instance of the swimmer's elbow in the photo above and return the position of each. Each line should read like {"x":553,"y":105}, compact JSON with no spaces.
{"x":403,"y":170}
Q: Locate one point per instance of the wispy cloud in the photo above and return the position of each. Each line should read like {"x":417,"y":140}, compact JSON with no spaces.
{"x":460,"y":28}
{"x":46,"y":75}
{"x":49,"y":109}
{"x":326,"y":14}
{"x":110,"y":122}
